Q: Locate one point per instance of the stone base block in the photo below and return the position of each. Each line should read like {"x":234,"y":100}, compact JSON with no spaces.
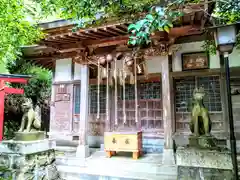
{"x":205,"y":164}
{"x":83,"y":151}
{"x":187,"y":156}
{"x":38,"y":162}
{"x":193,"y":141}
{"x":196,"y":173}
{"x":29,"y":136}
{"x":102,"y":147}
{"x":209,"y":142}
{"x":168,"y":157}
{"x":26,"y":147}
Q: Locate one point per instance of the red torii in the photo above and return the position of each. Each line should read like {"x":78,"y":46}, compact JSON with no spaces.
{"x":12,"y":78}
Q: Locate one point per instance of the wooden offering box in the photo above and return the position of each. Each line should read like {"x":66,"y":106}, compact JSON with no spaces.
{"x":123,"y":141}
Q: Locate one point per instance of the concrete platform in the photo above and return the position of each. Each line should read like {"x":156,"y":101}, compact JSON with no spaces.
{"x":122,"y":166}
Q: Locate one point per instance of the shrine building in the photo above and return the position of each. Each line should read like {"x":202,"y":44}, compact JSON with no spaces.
{"x":157,"y":102}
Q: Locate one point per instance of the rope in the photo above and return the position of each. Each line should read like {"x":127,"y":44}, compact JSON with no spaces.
{"x":98,"y":91}
{"x":107,"y":94}
{"x":124,"y":95}
{"x":115,"y":76}
{"x":136,"y":95}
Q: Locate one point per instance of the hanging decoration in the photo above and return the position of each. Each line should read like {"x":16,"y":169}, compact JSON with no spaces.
{"x":108,"y":59}
{"x":98,"y":91}
{"x":135,"y":87}
{"x":142,"y":66}
{"x":102,"y":69}
{"x":128,"y":64}
{"x":124,"y":95}
{"x":115,"y":77}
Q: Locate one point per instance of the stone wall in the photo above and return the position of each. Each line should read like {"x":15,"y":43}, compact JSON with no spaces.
{"x":28,"y":160}
{"x":236,"y":114}
{"x":153,"y":145}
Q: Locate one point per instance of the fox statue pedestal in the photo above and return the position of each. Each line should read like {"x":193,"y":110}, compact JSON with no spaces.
{"x":29,"y":136}
{"x":31,"y":160}
{"x":203,"y":164}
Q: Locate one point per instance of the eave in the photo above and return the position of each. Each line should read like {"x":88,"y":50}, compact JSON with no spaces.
{"x":61,"y":42}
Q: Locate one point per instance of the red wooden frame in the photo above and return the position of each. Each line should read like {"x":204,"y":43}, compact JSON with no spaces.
{"x":7,"y":90}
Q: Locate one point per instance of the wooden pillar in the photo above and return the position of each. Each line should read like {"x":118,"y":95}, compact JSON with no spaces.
{"x":83,"y":149}
{"x":167,"y":99}
{"x":224,"y":96}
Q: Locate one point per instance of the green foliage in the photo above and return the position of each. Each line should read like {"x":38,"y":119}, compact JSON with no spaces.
{"x":158,"y":19}
{"x":15,"y":30}
{"x":209,"y":46}
{"x":160,"y":14}
{"x":89,"y":8}
{"x":227,"y":12}
{"x":39,"y":86}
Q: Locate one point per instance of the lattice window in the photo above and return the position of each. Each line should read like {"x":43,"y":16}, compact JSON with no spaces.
{"x":76,"y":98}
{"x":148,"y":90}
{"x":129,"y":92}
{"x":212,"y":100}
{"x":184,"y":92}
{"x":150,"y":105}
{"x":93,"y":95}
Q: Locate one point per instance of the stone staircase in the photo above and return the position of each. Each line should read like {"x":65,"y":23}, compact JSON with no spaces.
{"x":238,"y":157}
{"x":72,"y":168}
{"x":116,"y":168}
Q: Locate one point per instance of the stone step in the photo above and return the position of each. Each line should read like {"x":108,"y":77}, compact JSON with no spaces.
{"x":71,"y":161}
{"x":112,"y":163}
{"x":76,"y":173}
{"x":65,"y":151}
{"x":65,"y":148}
{"x":98,"y":164}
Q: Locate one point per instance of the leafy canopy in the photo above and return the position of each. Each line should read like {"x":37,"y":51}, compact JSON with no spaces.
{"x":157,"y":18}
{"x":15,"y":29}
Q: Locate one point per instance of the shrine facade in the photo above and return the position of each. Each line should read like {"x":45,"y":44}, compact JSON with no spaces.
{"x":83,"y":106}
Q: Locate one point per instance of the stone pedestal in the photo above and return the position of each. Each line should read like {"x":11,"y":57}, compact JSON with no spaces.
{"x":82,"y":151}
{"x":202,"y":141}
{"x":168,"y":157}
{"x":29,"y":136}
{"x":199,"y":164}
{"x":28,"y":160}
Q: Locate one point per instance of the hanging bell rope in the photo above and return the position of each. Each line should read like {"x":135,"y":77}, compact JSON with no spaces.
{"x":98,"y":91}
{"x":107,"y":94}
{"x":115,"y":77}
{"x":124,"y":95}
{"x":135,"y":86}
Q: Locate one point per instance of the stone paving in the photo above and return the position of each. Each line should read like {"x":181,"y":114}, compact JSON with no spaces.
{"x":120,"y":167}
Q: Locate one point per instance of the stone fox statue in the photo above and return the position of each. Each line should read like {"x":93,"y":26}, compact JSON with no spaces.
{"x":200,"y":123}
{"x":31,"y":119}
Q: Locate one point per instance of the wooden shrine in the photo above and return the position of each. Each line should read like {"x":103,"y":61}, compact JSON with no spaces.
{"x":4,"y":89}
{"x":124,"y":98}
